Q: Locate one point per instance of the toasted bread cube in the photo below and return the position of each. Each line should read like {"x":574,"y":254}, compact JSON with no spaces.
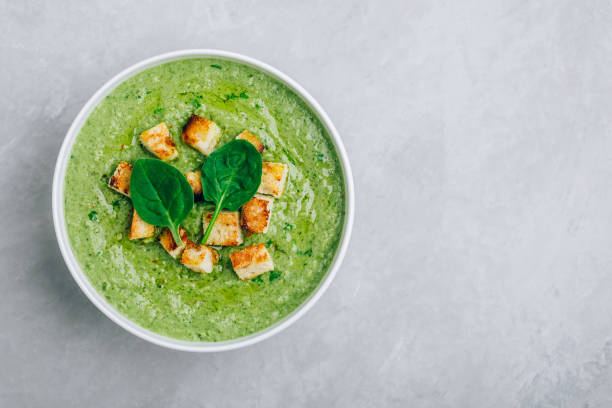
{"x":166,"y":240}
{"x":252,"y":261}
{"x":199,"y":258}
{"x":273,"y":179}
{"x":256,"y":214}
{"x":201,"y":134}
{"x":195,"y":181}
{"x":120,"y":180}
{"x":158,"y":141}
{"x":251,"y":138}
{"x":140,"y":228}
{"x":226,"y":231}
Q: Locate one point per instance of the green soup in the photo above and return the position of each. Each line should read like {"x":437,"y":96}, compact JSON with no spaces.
{"x":139,"y":278}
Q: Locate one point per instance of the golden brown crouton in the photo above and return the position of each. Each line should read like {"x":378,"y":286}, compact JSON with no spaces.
{"x":226,"y":231}
{"x":199,"y":258}
{"x":201,"y":134}
{"x":166,"y":240}
{"x":256,"y":214}
{"x":140,"y":229}
{"x":195,"y":181}
{"x":252,"y":261}
{"x":120,"y":180}
{"x":158,"y":141}
{"x":273,"y":178}
{"x":254,"y":140}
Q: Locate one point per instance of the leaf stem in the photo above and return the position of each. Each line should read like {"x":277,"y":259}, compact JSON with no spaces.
{"x":176,"y":235}
{"x":211,"y":224}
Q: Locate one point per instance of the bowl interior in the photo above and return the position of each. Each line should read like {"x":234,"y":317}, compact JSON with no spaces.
{"x":87,"y":287}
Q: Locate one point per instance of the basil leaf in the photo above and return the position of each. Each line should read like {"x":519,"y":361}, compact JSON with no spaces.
{"x":231,"y":176}
{"x":161,"y":194}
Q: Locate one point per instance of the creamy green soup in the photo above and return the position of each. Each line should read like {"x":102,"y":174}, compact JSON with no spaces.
{"x":139,"y":278}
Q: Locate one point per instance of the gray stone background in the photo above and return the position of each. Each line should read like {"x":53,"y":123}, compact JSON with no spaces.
{"x":480,"y":269}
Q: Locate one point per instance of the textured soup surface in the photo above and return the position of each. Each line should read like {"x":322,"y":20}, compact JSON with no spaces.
{"x":139,"y":278}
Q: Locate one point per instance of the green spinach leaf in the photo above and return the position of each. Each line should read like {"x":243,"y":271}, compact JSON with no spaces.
{"x":231,"y":176}
{"x":161,"y":194}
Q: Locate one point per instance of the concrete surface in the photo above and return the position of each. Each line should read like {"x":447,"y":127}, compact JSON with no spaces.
{"x":480,"y":271}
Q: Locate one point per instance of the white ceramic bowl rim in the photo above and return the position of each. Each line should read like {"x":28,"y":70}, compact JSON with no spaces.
{"x":77,"y":272}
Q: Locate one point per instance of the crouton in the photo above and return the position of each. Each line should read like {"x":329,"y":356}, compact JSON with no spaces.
{"x":120,"y":180}
{"x":226,"y":231}
{"x":199,"y":258}
{"x":273,"y":179}
{"x":201,"y":134}
{"x":195,"y":181}
{"x":252,"y":261}
{"x":140,"y":229}
{"x":158,"y":141}
{"x":166,"y":240}
{"x":251,"y":138}
{"x":256,"y":214}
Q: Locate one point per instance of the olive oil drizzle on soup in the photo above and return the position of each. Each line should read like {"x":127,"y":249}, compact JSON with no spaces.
{"x":139,"y":278}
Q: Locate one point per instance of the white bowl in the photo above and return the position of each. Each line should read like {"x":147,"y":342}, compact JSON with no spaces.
{"x":77,"y":272}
